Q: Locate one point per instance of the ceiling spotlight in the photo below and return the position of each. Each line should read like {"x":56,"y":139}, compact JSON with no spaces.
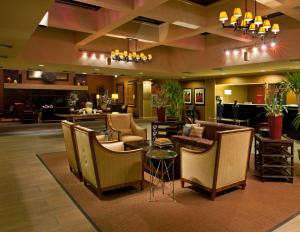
{"x":84,"y":55}
{"x":254,"y":49}
{"x":84,"y":73}
{"x":227,"y":52}
{"x":263,"y":47}
{"x":235,"y":52}
{"x":116,"y":75}
{"x":41,"y":65}
{"x":273,"y":44}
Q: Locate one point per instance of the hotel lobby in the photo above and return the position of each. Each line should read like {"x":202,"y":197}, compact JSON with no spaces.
{"x":150,"y":115}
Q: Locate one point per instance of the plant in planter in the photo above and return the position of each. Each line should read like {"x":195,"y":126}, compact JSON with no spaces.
{"x":173,"y":94}
{"x":292,"y":84}
{"x":159,"y":103}
{"x":274,"y":111}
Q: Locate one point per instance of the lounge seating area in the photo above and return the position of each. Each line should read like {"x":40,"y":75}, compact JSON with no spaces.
{"x":162,"y":115}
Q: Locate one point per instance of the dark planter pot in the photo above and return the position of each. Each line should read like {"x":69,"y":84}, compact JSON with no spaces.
{"x":161,"y":114}
{"x":275,"y":126}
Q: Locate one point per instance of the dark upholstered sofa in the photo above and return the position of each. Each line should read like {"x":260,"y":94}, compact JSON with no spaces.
{"x":208,"y":137}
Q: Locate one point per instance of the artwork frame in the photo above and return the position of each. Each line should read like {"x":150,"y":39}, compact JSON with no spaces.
{"x":199,"y":96}
{"x":187,"y":96}
{"x":120,"y":92}
{"x":131,"y":93}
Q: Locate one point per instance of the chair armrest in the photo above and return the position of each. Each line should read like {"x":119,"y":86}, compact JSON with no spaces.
{"x":139,"y":131}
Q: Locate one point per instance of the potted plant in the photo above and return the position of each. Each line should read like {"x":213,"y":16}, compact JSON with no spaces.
{"x":274,"y":111}
{"x":173,"y":95}
{"x":159,"y":103}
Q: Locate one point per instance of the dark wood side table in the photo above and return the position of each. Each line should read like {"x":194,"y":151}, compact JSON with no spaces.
{"x":163,"y":129}
{"x":274,"y":158}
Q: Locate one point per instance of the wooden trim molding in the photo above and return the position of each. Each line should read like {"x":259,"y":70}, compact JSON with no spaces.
{"x":45,"y":86}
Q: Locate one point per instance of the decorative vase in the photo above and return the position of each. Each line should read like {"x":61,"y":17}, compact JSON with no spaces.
{"x":161,"y":112}
{"x":275,"y":126}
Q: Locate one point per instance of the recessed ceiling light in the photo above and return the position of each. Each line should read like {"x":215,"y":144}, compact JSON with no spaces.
{"x":186,"y":25}
{"x":84,"y":73}
{"x":41,"y":65}
{"x":116,"y":75}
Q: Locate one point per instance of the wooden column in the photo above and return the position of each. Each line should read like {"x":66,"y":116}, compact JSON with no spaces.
{"x":1,"y":90}
{"x":210,"y":99}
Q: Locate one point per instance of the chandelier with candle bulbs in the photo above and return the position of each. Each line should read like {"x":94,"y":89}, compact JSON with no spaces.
{"x":256,"y":26}
{"x":130,"y":56}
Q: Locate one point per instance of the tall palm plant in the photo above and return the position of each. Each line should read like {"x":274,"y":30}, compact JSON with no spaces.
{"x":292,"y":84}
{"x":173,"y":95}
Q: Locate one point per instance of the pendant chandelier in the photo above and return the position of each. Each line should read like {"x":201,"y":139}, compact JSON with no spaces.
{"x":128,"y":56}
{"x":256,"y":25}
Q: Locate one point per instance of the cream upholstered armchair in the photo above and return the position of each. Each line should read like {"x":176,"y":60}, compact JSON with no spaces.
{"x":71,"y":148}
{"x":107,"y":166}
{"x":222,"y":166}
{"x":123,"y":128}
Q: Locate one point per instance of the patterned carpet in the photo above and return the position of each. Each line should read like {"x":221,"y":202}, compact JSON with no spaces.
{"x":260,"y":207}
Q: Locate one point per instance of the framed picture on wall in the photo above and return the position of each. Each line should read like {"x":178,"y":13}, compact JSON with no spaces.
{"x":131,"y":93}
{"x":120,"y":92}
{"x":187,"y":96}
{"x":199,"y":96}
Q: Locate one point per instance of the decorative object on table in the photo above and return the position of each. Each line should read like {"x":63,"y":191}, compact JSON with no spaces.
{"x":199,"y":94}
{"x":163,"y":142}
{"x":120,"y":92}
{"x":10,"y":76}
{"x":274,"y":110}
{"x":49,"y":77}
{"x":256,"y":27}
{"x":89,"y":107}
{"x":131,"y":93}
{"x":172,"y":93}
{"x":187,"y":96}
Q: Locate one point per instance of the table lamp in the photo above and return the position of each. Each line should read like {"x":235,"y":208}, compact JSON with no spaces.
{"x":115,"y":97}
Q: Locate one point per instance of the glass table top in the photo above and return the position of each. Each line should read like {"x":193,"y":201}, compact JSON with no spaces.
{"x":161,"y":154}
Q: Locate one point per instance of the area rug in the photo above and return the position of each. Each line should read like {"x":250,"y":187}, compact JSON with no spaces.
{"x":259,"y":207}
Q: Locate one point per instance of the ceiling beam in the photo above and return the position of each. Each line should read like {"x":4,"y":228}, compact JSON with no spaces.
{"x":119,"y":5}
{"x":109,"y":20}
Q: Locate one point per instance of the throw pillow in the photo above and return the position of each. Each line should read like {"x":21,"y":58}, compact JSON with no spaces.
{"x":117,"y":146}
{"x":186,"y":130}
{"x":196,"y":131}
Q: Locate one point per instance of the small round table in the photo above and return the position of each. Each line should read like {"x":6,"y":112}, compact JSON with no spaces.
{"x":162,"y":156}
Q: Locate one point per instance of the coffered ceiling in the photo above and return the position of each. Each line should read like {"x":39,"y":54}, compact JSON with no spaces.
{"x":184,"y":36}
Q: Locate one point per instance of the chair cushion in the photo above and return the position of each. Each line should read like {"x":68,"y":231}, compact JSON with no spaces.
{"x":196,"y":131}
{"x":100,"y":137}
{"x":130,"y":138}
{"x":117,"y":146}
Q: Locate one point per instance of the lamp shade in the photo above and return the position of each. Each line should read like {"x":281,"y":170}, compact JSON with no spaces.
{"x":258,"y":20}
{"x":261,"y":30}
{"x":98,"y":96}
{"x":248,"y":16}
{"x":252,"y":27}
{"x":275,"y":28}
{"x":115,"y":96}
{"x":223,"y":16}
{"x":243,"y":23}
{"x":233,"y":20}
{"x":237,"y":12}
{"x":267,"y":24}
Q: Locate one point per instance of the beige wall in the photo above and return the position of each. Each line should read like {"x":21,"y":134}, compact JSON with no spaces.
{"x":238,"y":92}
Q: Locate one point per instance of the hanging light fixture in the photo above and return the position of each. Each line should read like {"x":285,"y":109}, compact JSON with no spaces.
{"x":130,"y":56}
{"x":256,"y":26}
